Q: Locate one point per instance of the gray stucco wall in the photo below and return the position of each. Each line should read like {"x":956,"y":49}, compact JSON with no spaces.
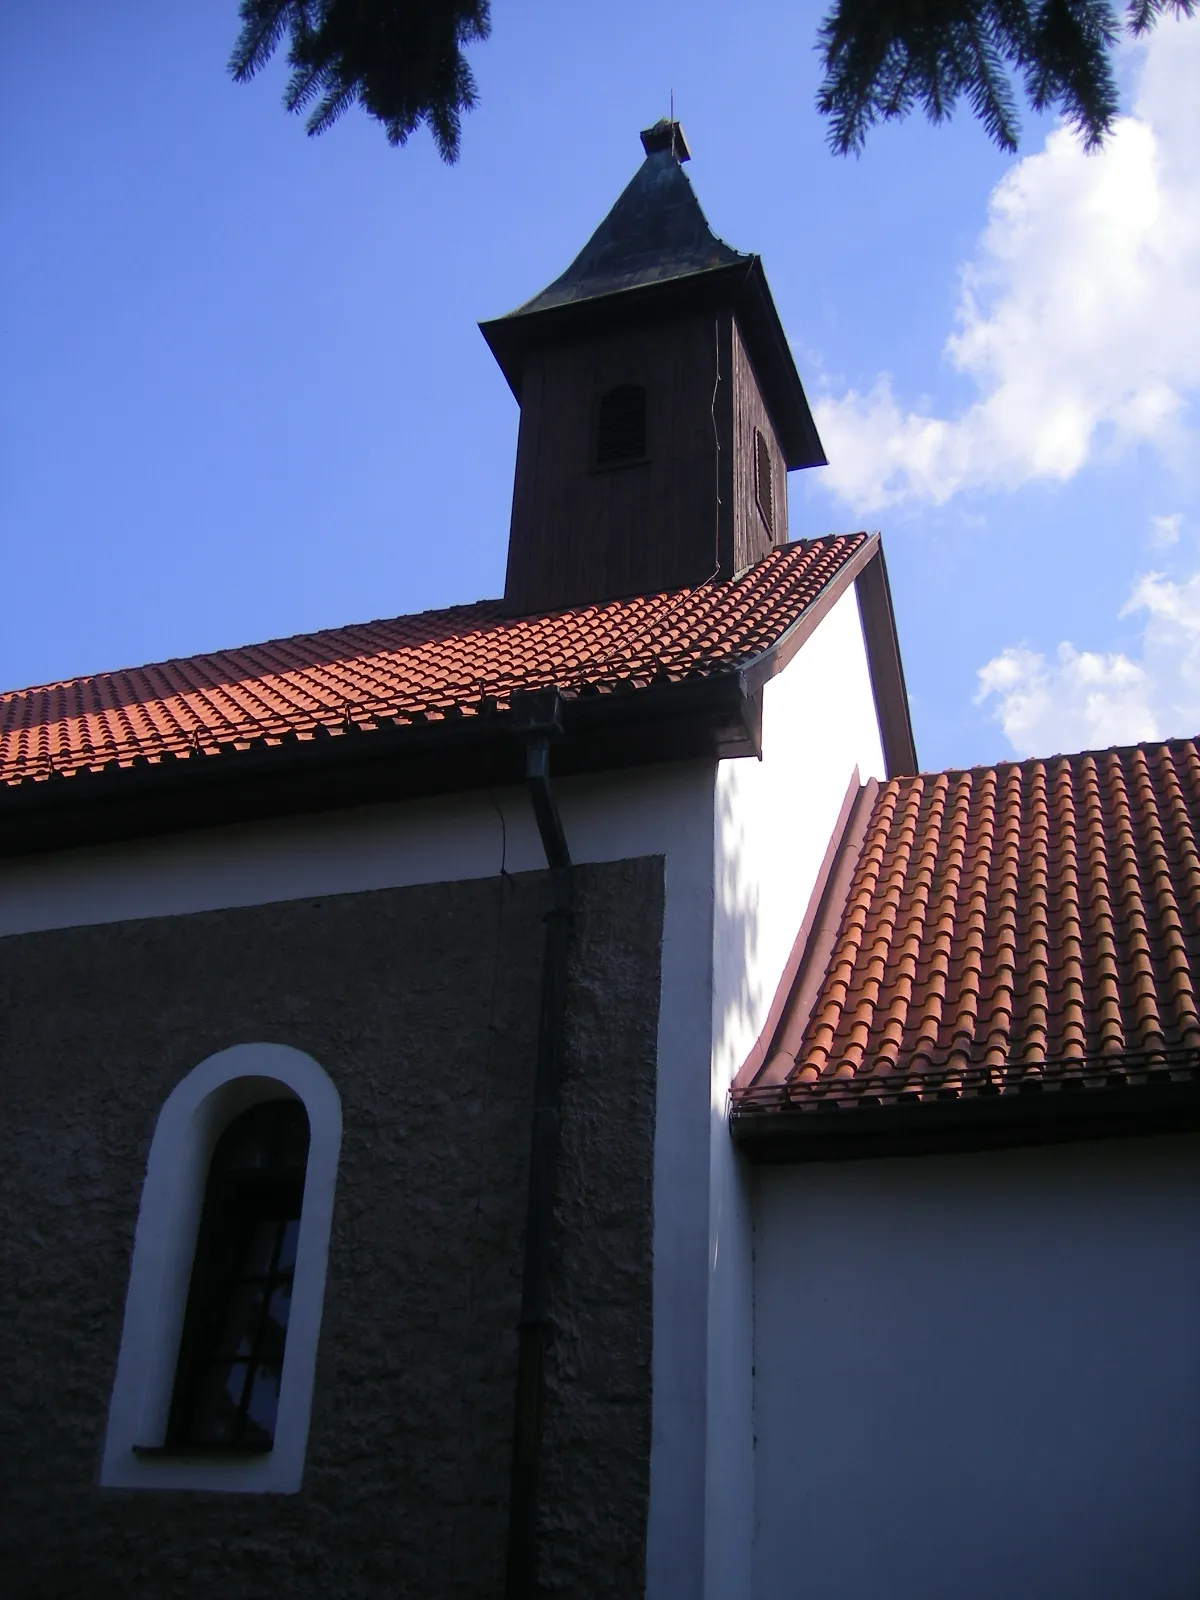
{"x":421,"y":1005}
{"x":977,"y":1375}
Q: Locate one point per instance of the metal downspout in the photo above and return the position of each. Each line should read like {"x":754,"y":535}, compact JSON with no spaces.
{"x":534,"y":1329}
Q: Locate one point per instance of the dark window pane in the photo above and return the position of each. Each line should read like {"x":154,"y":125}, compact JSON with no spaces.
{"x":262,"y":1406}
{"x":218,"y":1404}
{"x":241,"y":1321}
{"x":274,"y":1326}
{"x":269,"y":1137}
{"x":258,"y":1254}
{"x":235,"y":1329}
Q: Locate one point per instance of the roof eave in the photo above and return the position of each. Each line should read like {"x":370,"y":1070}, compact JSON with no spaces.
{"x":717,"y":715}
{"x":740,"y":286}
{"x":509,"y":337}
{"x":775,"y":365}
{"x":791,"y":1134}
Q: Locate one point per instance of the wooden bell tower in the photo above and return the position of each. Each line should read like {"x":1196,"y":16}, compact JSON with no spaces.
{"x":660,"y":406}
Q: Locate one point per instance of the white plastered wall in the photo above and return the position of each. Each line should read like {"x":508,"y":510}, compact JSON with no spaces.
{"x":743,"y":841}
{"x":774,"y":821}
{"x":977,"y":1375}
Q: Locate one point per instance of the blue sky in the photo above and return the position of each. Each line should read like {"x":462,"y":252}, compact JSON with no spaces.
{"x":244,"y":393}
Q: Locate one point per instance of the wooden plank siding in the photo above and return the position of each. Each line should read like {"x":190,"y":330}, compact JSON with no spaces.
{"x":680,"y":516}
{"x":752,"y":539}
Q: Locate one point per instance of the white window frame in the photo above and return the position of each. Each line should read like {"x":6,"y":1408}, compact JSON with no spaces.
{"x":194,"y":1116}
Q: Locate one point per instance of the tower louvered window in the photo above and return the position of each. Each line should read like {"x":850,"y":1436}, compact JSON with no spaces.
{"x":621,"y":426}
{"x":762,"y":480}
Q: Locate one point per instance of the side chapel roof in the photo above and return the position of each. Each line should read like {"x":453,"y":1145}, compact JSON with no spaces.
{"x":1025,"y":933}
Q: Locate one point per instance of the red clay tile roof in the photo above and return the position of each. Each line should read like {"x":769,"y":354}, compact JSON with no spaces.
{"x":418,"y":668}
{"x":1008,"y":927}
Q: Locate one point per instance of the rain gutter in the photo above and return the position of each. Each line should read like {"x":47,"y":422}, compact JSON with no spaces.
{"x":536,"y":1328}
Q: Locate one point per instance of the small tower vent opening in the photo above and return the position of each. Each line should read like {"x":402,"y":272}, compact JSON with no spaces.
{"x":762,"y":480}
{"x":621,"y":426}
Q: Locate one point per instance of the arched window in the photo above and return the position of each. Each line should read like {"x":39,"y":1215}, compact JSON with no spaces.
{"x":213,"y":1388}
{"x":235,"y":1328}
{"x":621,"y":426}
{"x":762,"y":479}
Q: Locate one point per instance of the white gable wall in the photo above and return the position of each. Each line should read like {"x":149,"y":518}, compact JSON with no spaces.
{"x":774,"y":822}
{"x":977,"y":1375}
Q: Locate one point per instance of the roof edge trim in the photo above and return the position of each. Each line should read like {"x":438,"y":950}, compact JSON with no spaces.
{"x":791,"y":1135}
{"x":868,"y":571}
{"x":777,"y":656}
{"x":886,"y":667}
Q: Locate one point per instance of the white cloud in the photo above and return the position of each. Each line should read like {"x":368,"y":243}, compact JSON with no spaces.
{"x":1164,"y":531}
{"x":1085,"y":700}
{"x":1079,"y":317}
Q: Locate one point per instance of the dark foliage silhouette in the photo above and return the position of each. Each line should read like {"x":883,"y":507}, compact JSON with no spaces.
{"x":403,"y":61}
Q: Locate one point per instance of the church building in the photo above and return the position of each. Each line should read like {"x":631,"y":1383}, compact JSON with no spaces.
{"x":546,"y":1097}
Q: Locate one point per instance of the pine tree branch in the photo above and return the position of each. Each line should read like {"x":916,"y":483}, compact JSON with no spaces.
{"x":881,"y":57}
{"x":264,"y":23}
{"x":1141,"y":15}
{"x":402,"y":60}
{"x":988,"y":87}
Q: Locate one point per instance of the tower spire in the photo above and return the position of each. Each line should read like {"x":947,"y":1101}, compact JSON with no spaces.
{"x":666,"y":134}
{"x":660,"y":404}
